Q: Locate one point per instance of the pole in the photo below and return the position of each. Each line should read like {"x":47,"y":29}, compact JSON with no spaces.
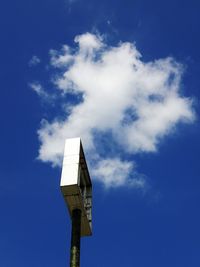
{"x":75,"y":238}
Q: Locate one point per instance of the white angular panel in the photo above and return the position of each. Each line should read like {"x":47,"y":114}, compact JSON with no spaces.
{"x":70,"y":170}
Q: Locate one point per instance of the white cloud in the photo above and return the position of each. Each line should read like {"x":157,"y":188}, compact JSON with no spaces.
{"x":115,"y":172}
{"x":88,"y":42}
{"x":137,"y":103}
{"x":39,"y":90}
{"x":34,"y":61}
{"x":60,"y":60}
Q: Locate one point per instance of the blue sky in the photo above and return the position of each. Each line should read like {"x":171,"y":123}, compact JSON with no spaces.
{"x":146,"y":177}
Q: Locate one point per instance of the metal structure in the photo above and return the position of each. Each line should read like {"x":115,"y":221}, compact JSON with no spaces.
{"x":76,"y":188}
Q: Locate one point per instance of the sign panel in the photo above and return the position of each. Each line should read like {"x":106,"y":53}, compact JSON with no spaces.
{"x":76,"y":184}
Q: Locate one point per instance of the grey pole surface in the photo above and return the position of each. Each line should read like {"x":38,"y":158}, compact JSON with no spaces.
{"x":75,"y":238}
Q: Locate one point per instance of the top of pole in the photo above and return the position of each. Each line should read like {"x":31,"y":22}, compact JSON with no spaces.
{"x":76,"y":184}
